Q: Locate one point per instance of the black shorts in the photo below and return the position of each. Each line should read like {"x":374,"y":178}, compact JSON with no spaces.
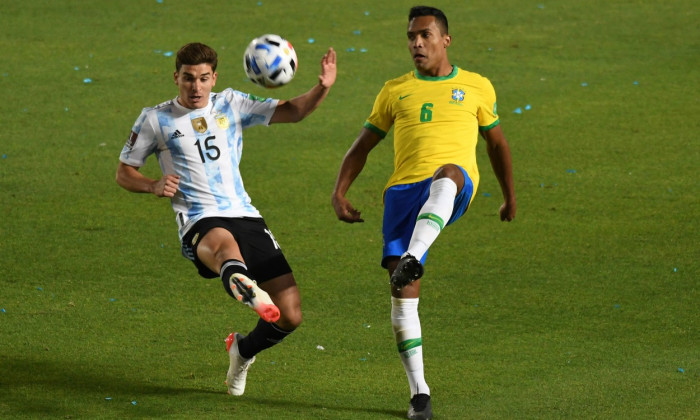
{"x":260,"y":250}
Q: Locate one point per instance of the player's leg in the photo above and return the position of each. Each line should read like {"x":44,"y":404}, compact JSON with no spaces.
{"x":219,"y":251}
{"x":285,"y":294}
{"x":409,"y":341}
{"x":400,"y":210}
{"x":269,"y":267}
{"x":447,"y":183}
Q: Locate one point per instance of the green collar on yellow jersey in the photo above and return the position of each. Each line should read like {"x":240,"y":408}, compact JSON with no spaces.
{"x":437,"y":78}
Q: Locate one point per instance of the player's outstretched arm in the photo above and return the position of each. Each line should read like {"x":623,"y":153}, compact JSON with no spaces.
{"x":499,"y":155}
{"x":129,"y":178}
{"x":353,"y":163}
{"x":296,"y":109}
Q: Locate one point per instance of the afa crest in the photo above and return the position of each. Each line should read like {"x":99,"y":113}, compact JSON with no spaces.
{"x":222,"y":121}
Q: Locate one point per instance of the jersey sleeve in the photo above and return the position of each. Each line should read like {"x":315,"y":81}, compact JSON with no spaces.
{"x":487,"y":113}
{"x":141,"y":143}
{"x":381,"y":118}
{"x":254,"y":110}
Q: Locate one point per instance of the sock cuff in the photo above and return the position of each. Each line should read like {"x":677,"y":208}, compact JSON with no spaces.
{"x":444,"y":184}
{"x":232,"y":263}
{"x":404,"y":302}
{"x":433,"y":218}
{"x":409,"y":344}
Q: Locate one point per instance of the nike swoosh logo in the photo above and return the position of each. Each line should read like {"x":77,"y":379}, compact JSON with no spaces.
{"x":404,"y":97}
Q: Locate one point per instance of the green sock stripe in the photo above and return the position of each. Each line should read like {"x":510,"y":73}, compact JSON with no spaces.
{"x":434,"y":217}
{"x":410,"y":344}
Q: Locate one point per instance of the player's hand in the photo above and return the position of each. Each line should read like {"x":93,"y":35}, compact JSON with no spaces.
{"x":345,"y":211}
{"x":166,"y":186}
{"x":328,"y":69}
{"x":507,"y":211}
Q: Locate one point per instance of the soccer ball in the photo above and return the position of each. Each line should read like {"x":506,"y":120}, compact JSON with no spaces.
{"x":270,"y":61}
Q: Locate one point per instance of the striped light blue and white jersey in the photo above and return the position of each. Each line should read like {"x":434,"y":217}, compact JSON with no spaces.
{"x":202,"y":146}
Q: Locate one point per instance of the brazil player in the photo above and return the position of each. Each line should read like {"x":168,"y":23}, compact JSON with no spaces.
{"x":197,"y":139}
{"x":437,"y":112}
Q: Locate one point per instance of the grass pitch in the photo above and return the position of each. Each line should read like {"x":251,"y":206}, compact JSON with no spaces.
{"x":586,"y":306}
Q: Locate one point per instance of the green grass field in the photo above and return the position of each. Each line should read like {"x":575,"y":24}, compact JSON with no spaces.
{"x":586,"y":306}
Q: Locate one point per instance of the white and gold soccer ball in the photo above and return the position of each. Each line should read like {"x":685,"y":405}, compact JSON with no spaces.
{"x":270,"y":61}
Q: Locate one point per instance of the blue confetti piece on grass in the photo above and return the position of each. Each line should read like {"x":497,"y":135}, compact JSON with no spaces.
{"x":311,"y":40}
{"x":518,"y":110}
{"x":681,"y":370}
{"x":87,"y":80}
{"x":168,"y":53}
{"x":351,"y":49}
{"x":4,"y":156}
{"x":357,"y":32}
{"x":584,"y":84}
{"x":528,"y":107}
{"x":366,"y":12}
{"x":487,"y":194}
{"x":108,"y":398}
{"x":134,"y":402}
{"x":2,"y":310}
{"x":363,"y":50}
{"x":571,"y":171}
{"x":635,"y":83}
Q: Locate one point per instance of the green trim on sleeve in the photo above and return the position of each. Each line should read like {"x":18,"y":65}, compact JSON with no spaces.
{"x":376,"y":130}
{"x":488,"y":127}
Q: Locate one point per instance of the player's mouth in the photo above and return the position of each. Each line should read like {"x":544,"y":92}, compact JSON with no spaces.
{"x":418,"y":57}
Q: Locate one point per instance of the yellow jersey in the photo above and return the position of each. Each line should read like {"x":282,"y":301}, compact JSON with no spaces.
{"x":436,"y":121}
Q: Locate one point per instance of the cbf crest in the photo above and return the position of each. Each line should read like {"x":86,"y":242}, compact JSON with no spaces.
{"x":199,"y":125}
{"x":457,"y":96}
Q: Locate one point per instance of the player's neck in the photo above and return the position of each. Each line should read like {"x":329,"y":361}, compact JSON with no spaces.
{"x":443,"y":70}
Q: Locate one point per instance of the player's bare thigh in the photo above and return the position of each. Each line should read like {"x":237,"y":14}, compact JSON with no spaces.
{"x":216,"y":247}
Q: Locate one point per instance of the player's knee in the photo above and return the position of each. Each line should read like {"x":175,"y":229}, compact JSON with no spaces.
{"x":448,"y":171}
{"x":290,"y":319}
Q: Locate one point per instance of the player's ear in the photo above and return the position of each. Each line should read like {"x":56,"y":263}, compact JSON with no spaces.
{"x":448,"y":40}
{"x":175,"y":77}
{"x":213,"y":78}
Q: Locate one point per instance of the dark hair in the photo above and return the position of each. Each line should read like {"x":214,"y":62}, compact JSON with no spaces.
{"x":196,"y":53}
{"x":440,"y":17}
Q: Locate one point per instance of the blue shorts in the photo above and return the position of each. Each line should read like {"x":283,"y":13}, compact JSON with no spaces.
{"x":401,"y":206}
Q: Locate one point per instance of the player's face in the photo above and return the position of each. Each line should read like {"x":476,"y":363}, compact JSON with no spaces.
{"x":428,"y":46}
{"x":195,"y":83}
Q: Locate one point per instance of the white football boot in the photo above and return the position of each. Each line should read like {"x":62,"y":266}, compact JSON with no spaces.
{"x":238,"y":368}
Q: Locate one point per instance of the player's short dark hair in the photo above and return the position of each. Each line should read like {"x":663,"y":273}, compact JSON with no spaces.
{"x":196,"y":53}
{"x":440,"y":17}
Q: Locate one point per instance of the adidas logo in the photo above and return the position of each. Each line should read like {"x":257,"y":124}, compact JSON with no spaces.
{"x":177,"y":134}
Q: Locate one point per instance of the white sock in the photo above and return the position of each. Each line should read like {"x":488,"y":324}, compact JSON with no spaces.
{"x":406,"y":324}
{"x":433,"y":216}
